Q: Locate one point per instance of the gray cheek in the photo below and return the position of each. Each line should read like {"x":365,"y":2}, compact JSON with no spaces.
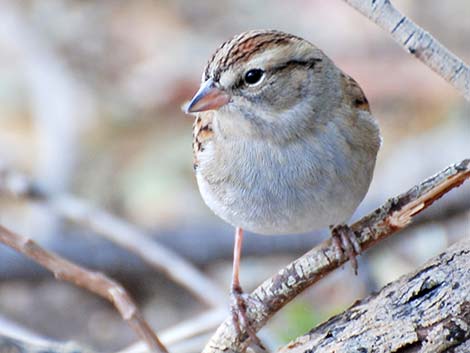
{"x":286,"y":92}
{"x":258,"y":125}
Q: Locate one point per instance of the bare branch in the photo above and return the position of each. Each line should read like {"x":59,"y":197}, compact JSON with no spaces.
{"x":16,"y":338}
{"x":277,"y":291}
{"x":193,"y":331}
{"x":193,"y":327}
{"x":119,"y":232}
{"x":130,"y":237}
{"x":94,"y":282}
{"x":417,"y":42}
{"x":13,"y":329}
{"x":26,"y":345}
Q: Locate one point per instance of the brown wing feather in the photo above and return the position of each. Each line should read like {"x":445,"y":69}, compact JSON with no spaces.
{"x":202,"y":132}
{"x":355,"y":93}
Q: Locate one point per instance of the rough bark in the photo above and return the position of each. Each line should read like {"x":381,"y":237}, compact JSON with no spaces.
{"x":427,"y":311}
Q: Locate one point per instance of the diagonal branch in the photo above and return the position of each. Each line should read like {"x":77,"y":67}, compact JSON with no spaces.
{"x":119,"y":232}
{"x":94,"y":282}
{"x":138,"y":242}
{"x":14,"y":338}
{"x":23,"y":345}
{"x":417,"y":42}
{"x":280,"y":289}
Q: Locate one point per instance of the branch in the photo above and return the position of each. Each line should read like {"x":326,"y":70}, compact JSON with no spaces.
{"x":119,"y":232}
{"x":277,"y":291}
{"x":182,"y":332}
{"x":417,"y":42}
{"x":94,"y":282}
{"x":131,"y":238}
{"x":22,"y":345}
{"x":14,"y":338}
{"x":426,"y":311}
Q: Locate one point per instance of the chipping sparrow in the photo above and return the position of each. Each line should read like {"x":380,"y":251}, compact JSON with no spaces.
{"x":284,"y":141}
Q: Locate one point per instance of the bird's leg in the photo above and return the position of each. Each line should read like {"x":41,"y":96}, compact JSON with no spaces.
{"x":346,"y":243}
{"x":238,"y":303}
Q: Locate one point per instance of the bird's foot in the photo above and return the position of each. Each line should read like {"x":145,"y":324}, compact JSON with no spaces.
{"x":346,"y":243}
{"x":239,"y":315}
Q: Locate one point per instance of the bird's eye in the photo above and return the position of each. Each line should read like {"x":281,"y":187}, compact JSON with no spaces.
{"x":253,"y":76}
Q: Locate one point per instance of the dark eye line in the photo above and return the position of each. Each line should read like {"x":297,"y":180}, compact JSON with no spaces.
{"x":308,"y":63}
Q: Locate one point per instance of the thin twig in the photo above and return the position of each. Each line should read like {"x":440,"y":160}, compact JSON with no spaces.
{"x":280,"y":289}
{"x":119,"y":232}
{"x":185,"y":330}
{"x":189,"y":333}
{"x":94,"y":282}
{"x":130,"y":237}
{"x":14,"y":330}
{"x":417,"y":42}
{"x":24,"y":344}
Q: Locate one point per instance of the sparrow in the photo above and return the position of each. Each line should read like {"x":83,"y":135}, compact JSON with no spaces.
{"x":283,"y":142}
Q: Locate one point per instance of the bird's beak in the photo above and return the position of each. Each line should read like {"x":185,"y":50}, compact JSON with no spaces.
{"x":209,"y":97}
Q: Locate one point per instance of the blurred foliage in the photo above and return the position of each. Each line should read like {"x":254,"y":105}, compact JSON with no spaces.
{"x":299,"y":318}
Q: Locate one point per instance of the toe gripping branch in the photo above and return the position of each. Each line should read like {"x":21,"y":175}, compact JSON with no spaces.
{"x":239,"y":315}
{"x":346,"y":243}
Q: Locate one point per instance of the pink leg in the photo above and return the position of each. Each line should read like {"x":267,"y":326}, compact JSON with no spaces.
{"x":237,"y":251}
{"x":238,"y":305}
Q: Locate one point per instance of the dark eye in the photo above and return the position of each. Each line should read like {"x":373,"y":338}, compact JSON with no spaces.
{"x":253,"y":76}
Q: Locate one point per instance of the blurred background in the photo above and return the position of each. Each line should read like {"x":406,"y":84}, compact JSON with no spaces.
{"x":90,"y":97}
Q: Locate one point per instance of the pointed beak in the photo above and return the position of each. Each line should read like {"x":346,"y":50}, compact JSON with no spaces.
{"x":209,"y":97}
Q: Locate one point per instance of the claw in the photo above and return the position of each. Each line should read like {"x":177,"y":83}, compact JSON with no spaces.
{"x":239,"y":315}
{"x":346,"y":243}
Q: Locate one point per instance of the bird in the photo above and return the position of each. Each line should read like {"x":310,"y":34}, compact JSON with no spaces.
{"x":283,"y":142}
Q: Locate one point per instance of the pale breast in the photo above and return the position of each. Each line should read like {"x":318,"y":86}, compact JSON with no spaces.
{"x":294,"y":188}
